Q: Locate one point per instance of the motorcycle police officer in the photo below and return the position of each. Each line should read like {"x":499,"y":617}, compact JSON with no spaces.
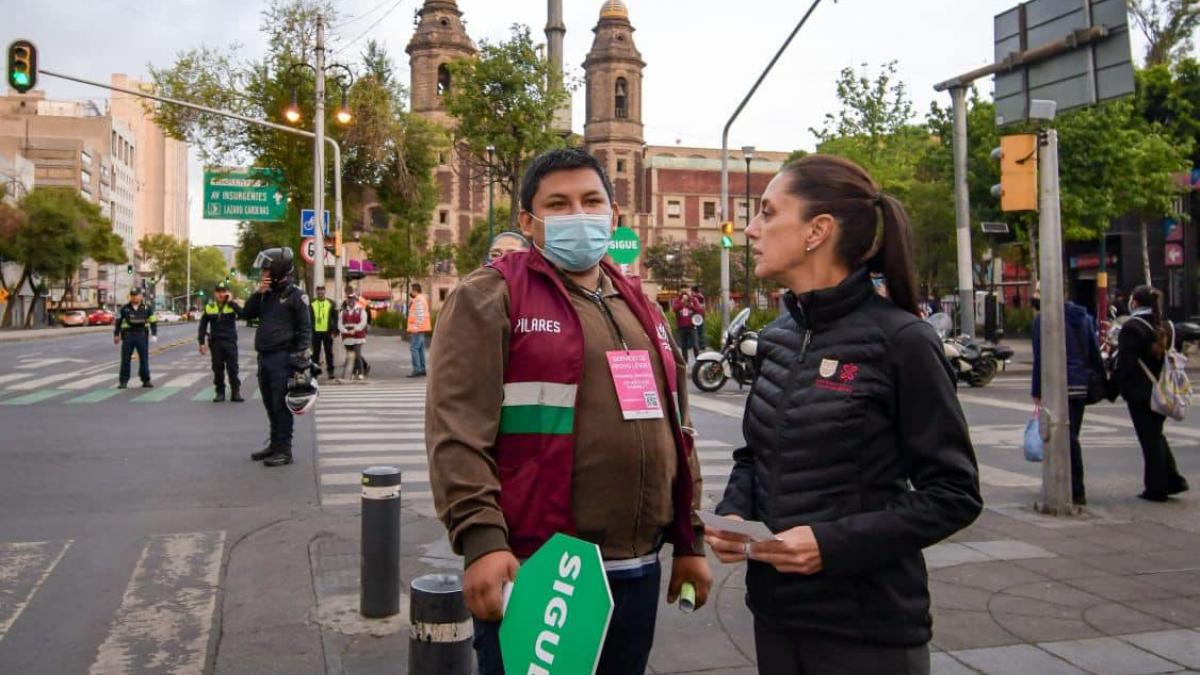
{"x":220,"y":317}
{"x":135,"y":327}
{"x":282,"y":342}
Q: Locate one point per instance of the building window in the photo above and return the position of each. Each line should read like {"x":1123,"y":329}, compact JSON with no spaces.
{"x":673,"y":209}
{"x":621,"y":166}
{"x":443,"y":217}
{"x":442,"y":159}
{"x":710,"y":211}
{"x":443,"y":81}
{"x":442,"y":294}
{"x":622,"y":99}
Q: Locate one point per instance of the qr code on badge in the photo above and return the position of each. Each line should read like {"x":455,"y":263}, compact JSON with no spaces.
{"x":651,"y":399}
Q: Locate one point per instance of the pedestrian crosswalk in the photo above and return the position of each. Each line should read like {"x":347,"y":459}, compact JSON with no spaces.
{"x":165,"y":620}
{"x":383,"y":424}
{"x":189,"y":378}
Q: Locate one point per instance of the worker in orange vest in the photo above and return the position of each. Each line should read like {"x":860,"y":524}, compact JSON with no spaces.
{"x":419,"y":324}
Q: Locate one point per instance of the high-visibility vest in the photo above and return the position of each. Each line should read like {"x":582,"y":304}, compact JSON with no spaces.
{"x":322,"y":309}
{"x":418,"y":315}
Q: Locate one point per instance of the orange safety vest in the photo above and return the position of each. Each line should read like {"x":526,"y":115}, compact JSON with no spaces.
{"x":418,"y":315}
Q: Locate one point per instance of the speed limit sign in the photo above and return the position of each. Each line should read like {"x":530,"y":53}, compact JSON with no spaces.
{"x":308,"y":249}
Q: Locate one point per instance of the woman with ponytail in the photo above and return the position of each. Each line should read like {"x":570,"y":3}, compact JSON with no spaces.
{"x":1144,"y":340}
{"x":856,"y":454}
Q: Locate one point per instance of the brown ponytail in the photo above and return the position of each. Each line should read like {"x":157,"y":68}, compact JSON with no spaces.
{"x":874,"y":228}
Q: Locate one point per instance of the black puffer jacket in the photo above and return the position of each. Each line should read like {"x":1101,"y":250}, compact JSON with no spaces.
{"x":853,"y":428}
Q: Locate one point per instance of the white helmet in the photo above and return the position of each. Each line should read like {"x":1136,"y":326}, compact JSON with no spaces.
{"x":302,"y":393}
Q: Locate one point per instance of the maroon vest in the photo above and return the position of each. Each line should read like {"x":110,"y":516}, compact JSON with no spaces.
{"x":535,"y":449}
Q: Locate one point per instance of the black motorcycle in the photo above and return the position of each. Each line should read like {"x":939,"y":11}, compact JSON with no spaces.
{"x":975,"y":362}
{"x":735,"y":360}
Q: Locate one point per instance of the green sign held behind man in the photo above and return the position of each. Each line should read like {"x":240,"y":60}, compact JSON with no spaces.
{"x":625,"y":246}
{"x":558,"y":613}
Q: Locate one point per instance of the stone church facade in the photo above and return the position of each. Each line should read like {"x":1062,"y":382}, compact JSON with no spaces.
{"x":665,"y":193}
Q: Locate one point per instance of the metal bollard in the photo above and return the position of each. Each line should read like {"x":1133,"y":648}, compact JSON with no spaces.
{"x":379,"y":587}
{"x":441,"y":627}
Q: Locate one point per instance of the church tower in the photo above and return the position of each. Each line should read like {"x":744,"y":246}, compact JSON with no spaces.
{"x":438,"y":40}
{"x":613,"y":130}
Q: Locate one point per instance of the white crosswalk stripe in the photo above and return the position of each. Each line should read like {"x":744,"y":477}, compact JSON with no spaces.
{"x":383,"y":425}
{"x":13,"y":377}
{"x":165,"y":620}
{"x":89,"y":382}
{"x":30,"y":385}
{"x":169,"y":602}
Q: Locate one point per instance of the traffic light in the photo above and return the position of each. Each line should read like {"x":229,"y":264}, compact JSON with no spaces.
{"x":129,"y":270}
{"x":1018,"y":188}
{"x":201,"y":293}
{"x":727,"y":234}
{"x":22,"y":65}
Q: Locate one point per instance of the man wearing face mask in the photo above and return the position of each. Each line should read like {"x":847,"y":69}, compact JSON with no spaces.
{"x":558,"y":404}
{"x":220,"y":318}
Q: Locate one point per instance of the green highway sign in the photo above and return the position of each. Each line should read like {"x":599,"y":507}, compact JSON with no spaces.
{"x":558,"y":612}
{"x":624,"y":247}
{"x":244,"y":194}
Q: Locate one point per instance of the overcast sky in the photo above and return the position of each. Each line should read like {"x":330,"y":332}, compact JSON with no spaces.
{"x":702,"y":55}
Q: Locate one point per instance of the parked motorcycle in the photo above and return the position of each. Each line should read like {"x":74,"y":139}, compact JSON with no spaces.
{"x":975,"y":362}
{"x":735,"y":360}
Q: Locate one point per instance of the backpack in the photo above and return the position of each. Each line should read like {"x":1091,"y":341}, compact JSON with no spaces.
{"x":1171,"y":392}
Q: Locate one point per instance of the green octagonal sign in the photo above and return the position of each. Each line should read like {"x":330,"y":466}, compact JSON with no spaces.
{"x":558,"y":612}
{"x":625,"y":246}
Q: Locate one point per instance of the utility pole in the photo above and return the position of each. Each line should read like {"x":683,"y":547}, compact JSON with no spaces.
{"x":1055,"y":426}
{"x":318,"y":276}
{"x":962,"y":216}
{"x":748,"y":153}
{"x":725,"y":158}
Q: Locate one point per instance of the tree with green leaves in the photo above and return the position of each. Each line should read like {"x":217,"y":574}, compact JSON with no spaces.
{"x":506,"y":99}
{"x":1168,"y":26}
{"x":59,"y":230}
{"x":470,"y":254}
{"x":388,"y":154}
{"x":162,"y":254}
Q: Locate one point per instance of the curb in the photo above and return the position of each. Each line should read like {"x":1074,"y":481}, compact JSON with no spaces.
{"x":22,"y":335}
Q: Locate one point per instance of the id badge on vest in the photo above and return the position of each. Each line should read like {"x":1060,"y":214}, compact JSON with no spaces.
{"x":637,"y":391}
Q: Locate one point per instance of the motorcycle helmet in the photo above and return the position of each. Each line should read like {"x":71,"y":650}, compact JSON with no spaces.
{"x":749,"y":344}
{"x":302,"y":392}
{"x":278,"y":262}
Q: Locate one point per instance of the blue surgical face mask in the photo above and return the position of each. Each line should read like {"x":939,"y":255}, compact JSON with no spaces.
{"x":578,"y":241}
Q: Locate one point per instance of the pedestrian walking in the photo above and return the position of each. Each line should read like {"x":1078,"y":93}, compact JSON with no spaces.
{"x":135,"y":328}
{"x":1141,"y":345}
{"x":1083,"y":359}
{"x":352,"y":327}
{"x":698,"y":296}
{"x":505,"y":243}
{"x":419,"y":323}
{"x":526,"y":433}
{"x":218,"y":327}
{"x":323,"y":330}
{"x":686,"y":308}
{"x":282,"y":341}
{"x":857,"y":454}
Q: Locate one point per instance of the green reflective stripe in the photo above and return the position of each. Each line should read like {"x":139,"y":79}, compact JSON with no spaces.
{"x":540,"y":393}
{"x":537,"y":419}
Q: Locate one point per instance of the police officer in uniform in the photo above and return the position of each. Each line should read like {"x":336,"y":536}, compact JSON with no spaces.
{"x":135,"y":327}
{"x":282,"y":342}
{"x":220,"y":318}
{"x":324,"y":327}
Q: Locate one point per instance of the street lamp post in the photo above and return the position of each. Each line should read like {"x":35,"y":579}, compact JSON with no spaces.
{"x":491,"y":152}
{"x":748,"y":153}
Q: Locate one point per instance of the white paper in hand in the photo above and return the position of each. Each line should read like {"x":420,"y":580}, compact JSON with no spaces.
{"x":756,"y":530}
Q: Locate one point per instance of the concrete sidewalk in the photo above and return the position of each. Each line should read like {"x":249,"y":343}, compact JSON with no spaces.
{"x":1114,"y":590}
{"x":22,"y":335}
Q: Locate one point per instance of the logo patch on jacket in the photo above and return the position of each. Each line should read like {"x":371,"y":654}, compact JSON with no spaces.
{"x":845,"y":375}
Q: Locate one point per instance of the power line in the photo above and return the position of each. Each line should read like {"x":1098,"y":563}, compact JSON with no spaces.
{"x":360,"y":17}
{"x":370,"y":28}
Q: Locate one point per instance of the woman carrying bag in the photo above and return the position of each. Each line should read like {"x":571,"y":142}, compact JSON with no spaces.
{"x":1086,"y":381}
{"x":1144,"y":340}
{"x":856,"y":450}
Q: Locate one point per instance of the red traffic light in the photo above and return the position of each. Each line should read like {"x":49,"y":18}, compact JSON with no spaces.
{"x":22,"y":65}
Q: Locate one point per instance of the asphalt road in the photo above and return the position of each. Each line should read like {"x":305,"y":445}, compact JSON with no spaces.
{"x":124,"y":514}
{"x":120,"y":510}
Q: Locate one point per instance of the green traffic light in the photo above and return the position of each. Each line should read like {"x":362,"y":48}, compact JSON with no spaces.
{"x":20,"y":79}
{"x":726,"y":241}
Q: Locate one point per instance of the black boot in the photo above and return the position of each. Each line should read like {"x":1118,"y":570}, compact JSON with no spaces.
{"x":281,"y":458}
{"x":220,"y":397}
{"x":236,"y":396}
{"x":122,"y":385}
{"x":263,"y":454}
